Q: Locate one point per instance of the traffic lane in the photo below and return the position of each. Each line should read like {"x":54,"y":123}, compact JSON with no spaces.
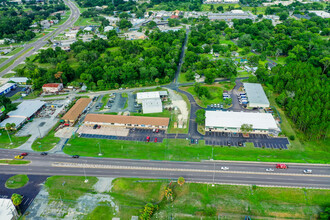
{"x":206,"y":177}
{"x":37,"y":159}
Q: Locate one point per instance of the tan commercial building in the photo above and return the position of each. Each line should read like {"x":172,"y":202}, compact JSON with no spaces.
{"x":52,"y":87}
{"x":126,"y":121}
{"x":77,"y":109}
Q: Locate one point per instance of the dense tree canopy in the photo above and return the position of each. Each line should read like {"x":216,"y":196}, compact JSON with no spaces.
{"x":102,"y":64}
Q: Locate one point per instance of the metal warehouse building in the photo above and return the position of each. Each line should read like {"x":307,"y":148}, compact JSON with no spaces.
{"x":262,"y":123}
{"x":7,"y":88}
{"x":256,"y":95}
{"x":24,"y":112}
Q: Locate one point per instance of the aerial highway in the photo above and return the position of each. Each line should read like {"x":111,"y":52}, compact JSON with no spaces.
{"x":245,"y":173}
{"x":75,"y":13}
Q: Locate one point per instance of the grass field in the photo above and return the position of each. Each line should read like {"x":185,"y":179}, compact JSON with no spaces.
{"x":85,"y":21}
{"x":202,"y":201}
{"x":104,"y":100}
{"x":17,"y":181}
{"x":181,"y":150}
{"x":13,"y":162}
{"x":72,"y":189}
{"x":215,"y":91}
{"x":207,"y":7}
{"x":17,"y":141}
{"x":46,"y":143}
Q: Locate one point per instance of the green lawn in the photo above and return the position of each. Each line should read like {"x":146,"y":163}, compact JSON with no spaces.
{"x":104,"y":211}
{"x":46,"y":143}
{"x":182,"y":78}
{"x":202,"y":201}
{"x":17,"y":141}
{"x":17,"y":181}
{"x":104,"y":100}
{"x":215,"y":91}
{"x":15,"y":162}
{"x":85,"y":21}
{"x":68,"y":187}
{"x":181,"y":150}
{"x":165,"y":113}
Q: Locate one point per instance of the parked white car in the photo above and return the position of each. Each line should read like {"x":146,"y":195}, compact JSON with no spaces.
{"x":224,"y":168}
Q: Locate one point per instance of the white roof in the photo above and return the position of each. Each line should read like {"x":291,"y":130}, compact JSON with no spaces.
{"x":18,"y":79}
{"x":152,"y":105}
{"x":17,"y":120}
{"x":255,"y":93}
{"x":27,"y":108}
{"x":6,"y":86}
{"x":147,"y":95}
{"x":163,"y":93}
{"x":7,"y":209}
{"x":236,"y":119}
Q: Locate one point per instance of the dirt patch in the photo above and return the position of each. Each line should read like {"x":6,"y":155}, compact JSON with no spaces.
{"x":44,"y":208}
{"x":179,"y":102}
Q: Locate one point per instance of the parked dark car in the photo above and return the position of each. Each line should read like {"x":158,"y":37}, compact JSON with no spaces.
{"x":95,"y":126}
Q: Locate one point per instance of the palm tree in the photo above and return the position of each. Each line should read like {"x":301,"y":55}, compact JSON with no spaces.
{"x":181,"y":181}
{"x":17,"y":199}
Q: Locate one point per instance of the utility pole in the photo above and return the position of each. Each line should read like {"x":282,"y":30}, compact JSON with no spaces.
{"x":39,"y":131}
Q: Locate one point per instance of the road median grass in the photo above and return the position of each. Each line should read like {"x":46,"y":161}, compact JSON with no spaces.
{"x":17,"y":181}
{"x":15,"y":162}
{"x":182,"y":150}
{"x":206,"y":202}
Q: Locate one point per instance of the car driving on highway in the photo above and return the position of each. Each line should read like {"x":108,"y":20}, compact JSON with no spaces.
{"x":43,"y":153}
{"x":19,"y":157}
{"x":270,"y":170}
{"x":307,"y":171}
{"x":224,"y":168}
{"x":281,"y":166}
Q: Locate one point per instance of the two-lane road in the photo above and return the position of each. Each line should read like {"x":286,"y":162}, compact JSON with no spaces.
{"x":249,"y":173}
{"x":75,"y":13}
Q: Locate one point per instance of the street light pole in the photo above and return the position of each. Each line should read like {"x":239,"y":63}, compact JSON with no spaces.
{"x":9,"y":137}
{"x":86,"y":180}
{"x":100,"y":154}
{"x":213,"y":174}
{"x":39,"y":131}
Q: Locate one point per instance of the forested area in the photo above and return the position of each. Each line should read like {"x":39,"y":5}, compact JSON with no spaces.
{"x":15,"y":21}
{"x":204,"y":38}
{"x":304,"y":94}
{"x":171,"y":5}
{"x":302,"y":84}
{"x":297,"y":39}
{"x":110,"y":64}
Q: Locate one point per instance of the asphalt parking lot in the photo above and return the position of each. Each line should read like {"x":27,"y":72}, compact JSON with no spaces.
{"x":134,"y":135}
{"x":29,"y":191}
{"x":259,"y":140}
